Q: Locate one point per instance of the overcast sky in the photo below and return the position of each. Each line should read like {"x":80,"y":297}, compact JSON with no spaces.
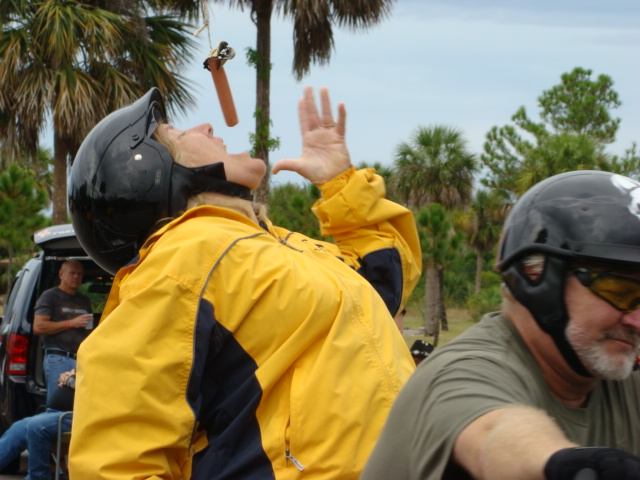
{"x":469,"y":64}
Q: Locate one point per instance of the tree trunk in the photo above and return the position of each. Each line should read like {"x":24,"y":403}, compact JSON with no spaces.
{"x":431,"y":288}
{"x":61,"y":152}
{"x":442,"y":311}
{"x":263,"y":11}
{"x":436,"y":338}
{"x":479,"y":263}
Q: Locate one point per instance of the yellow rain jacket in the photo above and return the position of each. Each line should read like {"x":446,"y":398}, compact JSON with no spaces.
{"x":230,"y":351}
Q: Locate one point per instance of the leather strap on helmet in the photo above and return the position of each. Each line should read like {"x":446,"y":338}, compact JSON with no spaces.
{"x":186,"y":182}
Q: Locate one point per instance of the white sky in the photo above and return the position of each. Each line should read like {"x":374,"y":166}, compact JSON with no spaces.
{"x":469,"y":64}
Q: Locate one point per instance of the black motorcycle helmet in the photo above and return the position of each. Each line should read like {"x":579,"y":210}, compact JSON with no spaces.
{"x":122,"y":182}
{"x":584,"y":216}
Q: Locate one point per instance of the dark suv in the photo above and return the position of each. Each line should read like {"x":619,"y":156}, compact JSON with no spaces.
{"x":22,"y":383}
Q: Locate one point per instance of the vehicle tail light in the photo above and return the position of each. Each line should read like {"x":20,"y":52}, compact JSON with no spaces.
{"x":17,"y":349}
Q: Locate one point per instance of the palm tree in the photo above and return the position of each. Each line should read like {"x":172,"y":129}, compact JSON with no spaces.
{"x":74,"y":62}
{"x":439,"y":242}
{"x":313,"y":22}
{"x":435,"y":167}
{"x":481,"y":223}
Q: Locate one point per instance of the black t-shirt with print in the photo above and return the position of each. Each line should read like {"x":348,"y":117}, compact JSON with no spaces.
{"x":61,"y":306}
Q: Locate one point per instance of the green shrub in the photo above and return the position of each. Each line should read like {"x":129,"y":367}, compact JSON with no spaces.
{"x":488,"y":300}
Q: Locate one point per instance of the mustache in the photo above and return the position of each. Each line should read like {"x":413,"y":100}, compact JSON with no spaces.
{"x":629,"y":337}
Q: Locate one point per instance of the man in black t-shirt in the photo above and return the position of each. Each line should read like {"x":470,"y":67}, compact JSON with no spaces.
{"x":64,"y":316}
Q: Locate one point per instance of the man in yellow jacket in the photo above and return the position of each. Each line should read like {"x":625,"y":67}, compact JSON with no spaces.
{"x":230,"y":348}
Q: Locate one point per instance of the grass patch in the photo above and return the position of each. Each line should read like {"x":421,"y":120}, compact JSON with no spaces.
{"x":459,"y":321}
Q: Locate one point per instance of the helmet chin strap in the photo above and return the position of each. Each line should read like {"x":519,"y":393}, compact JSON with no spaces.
{"x":186,"y":182}
{"x":545,"y":301}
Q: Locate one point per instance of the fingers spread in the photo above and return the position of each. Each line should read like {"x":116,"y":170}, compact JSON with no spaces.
{"x":342,"y":119}
{"x":309,"y":118}
{"x":327,"y":117}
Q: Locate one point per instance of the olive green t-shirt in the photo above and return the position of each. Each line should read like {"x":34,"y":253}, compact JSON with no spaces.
{"x":486,"y":368}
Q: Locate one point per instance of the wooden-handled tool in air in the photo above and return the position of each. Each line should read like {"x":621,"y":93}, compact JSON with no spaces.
{"x":214,"y":64}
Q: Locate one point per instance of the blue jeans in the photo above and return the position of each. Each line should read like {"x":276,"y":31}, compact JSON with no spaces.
{"x":42,"y":431}
{"x":36,"y":434}
{"x":54,"y":365}
{"x":13,"y":442}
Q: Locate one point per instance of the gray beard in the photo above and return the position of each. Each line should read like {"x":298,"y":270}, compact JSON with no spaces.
{"x":594,"y":357}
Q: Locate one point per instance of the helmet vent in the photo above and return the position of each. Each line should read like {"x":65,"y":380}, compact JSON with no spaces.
{"x":542,"y":236}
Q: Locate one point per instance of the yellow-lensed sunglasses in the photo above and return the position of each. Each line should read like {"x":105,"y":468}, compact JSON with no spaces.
{"x":622,"y":293}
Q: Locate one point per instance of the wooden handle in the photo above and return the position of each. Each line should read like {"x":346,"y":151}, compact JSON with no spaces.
{"x":224,"y":92}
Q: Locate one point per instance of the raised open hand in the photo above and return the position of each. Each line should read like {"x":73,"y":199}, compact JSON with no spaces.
{"x":324,"y":151}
